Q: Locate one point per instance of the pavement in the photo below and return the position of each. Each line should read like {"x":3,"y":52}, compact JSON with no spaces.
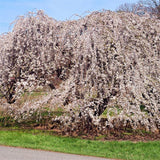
{"x":14,"y":153}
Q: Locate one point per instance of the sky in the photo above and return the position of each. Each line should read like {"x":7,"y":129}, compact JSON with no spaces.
{"x":57,"y":9}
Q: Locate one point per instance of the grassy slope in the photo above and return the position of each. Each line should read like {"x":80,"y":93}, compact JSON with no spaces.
{"x":110,"y":149}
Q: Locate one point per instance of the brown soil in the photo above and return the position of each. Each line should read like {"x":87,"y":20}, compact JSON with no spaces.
{"x":92,"y":133}
{"x":110,"y":135}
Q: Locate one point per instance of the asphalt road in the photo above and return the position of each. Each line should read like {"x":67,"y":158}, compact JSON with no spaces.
{"x":12,"y":153}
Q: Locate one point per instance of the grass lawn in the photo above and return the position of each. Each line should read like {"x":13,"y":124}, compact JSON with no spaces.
{"x":110,"y":149}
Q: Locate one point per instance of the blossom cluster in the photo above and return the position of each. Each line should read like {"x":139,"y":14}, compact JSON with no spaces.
{"x":105,"y":62}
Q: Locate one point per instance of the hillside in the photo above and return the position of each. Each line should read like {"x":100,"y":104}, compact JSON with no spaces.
{"x":97,"y":73}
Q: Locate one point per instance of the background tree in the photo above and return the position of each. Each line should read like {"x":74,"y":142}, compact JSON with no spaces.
{"x":131,"y":7}
{"x":151,"y":7}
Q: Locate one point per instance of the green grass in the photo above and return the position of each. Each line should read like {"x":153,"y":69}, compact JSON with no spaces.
{"x":109,"y":149}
